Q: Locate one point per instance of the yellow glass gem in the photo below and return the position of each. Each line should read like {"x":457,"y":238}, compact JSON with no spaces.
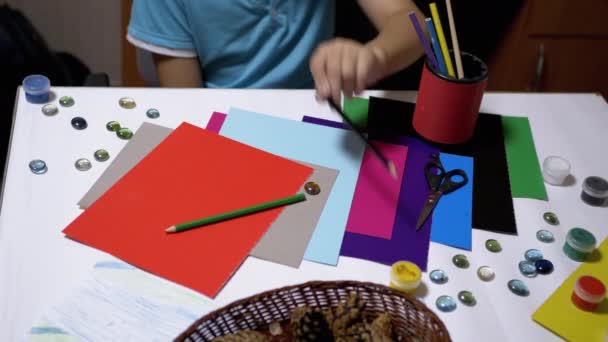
{"x":127,"y":103}
{"x":312,"y":188}
{"x":405,"y":276}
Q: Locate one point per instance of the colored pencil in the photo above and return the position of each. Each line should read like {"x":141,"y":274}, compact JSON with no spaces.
{"x":392,"y":169}
{"x":436,"y":47}
{"x":425,"y":43}
{"x":455,"y":46}
{"x":442,"y":41}
{"x":236,"y":213}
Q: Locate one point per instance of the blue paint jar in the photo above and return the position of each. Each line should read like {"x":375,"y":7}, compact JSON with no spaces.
{"x":37,"y":88}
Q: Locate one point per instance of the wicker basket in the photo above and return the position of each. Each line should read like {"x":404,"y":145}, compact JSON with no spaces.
{"x":411,"y":319}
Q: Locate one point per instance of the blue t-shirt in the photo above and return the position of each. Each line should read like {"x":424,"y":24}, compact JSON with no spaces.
{"x":240,"y":43}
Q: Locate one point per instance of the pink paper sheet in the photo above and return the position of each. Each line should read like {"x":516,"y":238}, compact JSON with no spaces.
{"x":377,"y":193}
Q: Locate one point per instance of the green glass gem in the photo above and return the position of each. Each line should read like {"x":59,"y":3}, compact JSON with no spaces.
{"x":127,"y":103}
{"x":113,"y":126}
{"x":460,"y":261}
{"x":467,"y":298}
{"x":312,"y":188}
{"x":493,"y":246}
{"x":66,"y":101}
{"x":551,"y":218}
{"x":124,"y":133}
{"x":82,"y":164}
{"x":153,"y":113}
{"x":101,"y":155}
{"x":49,"y":109}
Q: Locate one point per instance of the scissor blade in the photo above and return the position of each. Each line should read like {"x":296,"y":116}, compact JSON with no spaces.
{"x":429,"y":205}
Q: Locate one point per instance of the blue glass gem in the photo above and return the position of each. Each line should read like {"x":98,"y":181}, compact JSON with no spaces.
{"x":527,"y":268}
{"x":38,"y":166}
{"x":438,"y":277}
{"x":79,"y":123}
{"x":518,"y":287}
{"x":533,"y":254}
{"x":153,"y":113}
{"x":543,"y":266}
{"x":445,"y":304}
{"x":545,"y":236}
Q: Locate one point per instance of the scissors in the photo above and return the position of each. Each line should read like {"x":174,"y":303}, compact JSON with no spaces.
{"x":440,"y":182}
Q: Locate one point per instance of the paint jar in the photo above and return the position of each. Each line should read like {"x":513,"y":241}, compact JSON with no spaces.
{"x":405,"y":276}
{"x":595,"y":191}
{"x":588,"y":293}
{"x":580,"y":243}
{"x":555,"y":170}
{"x":446,"y":107}
{"x":37,"y":88}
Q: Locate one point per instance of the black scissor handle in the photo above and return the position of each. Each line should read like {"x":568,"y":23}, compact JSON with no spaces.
{"x":434,"y":173}
{"x":450,"y":183}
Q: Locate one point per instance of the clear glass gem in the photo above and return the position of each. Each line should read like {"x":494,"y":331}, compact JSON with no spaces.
{"x":153,"y":113}
{"x":486,"y":273}
{"x":438,"y":277}
{"x":113,"y":126}
{"x":467,"y":298}
{"x":551,"y":218}
{"x":460,"y":261}
{"x":493,"y":246}
{"x":101,"y":155}
{"x":49,"y":109}
{"x":543,"y":266}
{"x":83,"y":164}
{"x":312,"y":188}
{"x":127,"y":103}
{"x":124,"y":133}
{"x":38,"y":166}
{"x":518,"y":287}
{"x":79,"y":123}
{"x":66,"y":101}
{"x":527,"y":268}
{"x":545,"y":236}
{"x":445,"y":304}
{"x":533,"y":254}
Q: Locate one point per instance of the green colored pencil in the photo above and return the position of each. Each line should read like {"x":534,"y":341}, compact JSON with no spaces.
{"x":236,"y":213}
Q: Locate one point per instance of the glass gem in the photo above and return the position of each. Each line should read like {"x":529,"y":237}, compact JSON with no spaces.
{"x":518,"y":287}
{"x":49,"y":109}
{"x":543,"y":266}
{"x":82,"y":164}
{"x":312,"y":188}
{"x":493,"y":246}
{"x":101,"y":155}
{"x":527,"y":268}
{"x":445,"y":304}
{"x":153,"y":113}
{"x":467,"y":298}
{"x":127,"y":103}
{"x":79,"y":123}
{"x":38,"y":166}
{"x":438,"y":277}
{"x":545,"y":236}
{"x":485,"y":273}
{"x":124,"y":133}
{"x":551,"y":218}
{"x":66,"y":101}
{"x":113,"y":126}
{"x":533,"y":254}
{"x":460,"y":261}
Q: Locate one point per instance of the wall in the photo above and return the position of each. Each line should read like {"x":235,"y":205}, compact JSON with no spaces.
{"x":88,"y":29}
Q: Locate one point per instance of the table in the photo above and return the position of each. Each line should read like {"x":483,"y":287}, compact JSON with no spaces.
{"x":38,"y":265}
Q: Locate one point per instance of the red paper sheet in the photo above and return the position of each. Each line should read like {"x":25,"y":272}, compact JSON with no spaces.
{"x":192,"y":174}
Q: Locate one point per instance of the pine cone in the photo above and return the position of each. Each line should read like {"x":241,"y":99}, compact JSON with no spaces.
{"x":381,"y":329}
{"x":243,"y":336}
{"x":310,"y":325}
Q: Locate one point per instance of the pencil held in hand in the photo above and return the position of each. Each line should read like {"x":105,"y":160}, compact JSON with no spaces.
{"x":236,"y":213}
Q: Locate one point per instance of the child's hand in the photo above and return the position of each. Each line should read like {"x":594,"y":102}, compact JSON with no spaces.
{"x":344,"y":65}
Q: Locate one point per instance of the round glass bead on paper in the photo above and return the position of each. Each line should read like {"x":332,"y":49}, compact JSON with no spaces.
{"x":83,"y":164}
{"x":438,"y":277}
{"x":312,"y":188}
{"x":38,"y":166}
{"x":101,"y":155}
{"x":124,"y":133}
{"x":545,"y":236}
{"x":66,"y":101}
{"x":445,"y":304}
{"x":79,"y":123}
{"x":518,"y":287}
{"x":493,"y":246}
{"x":460,"y":261}
{"x":467,"y":298}
{"x":127,"y":103}
{"x":49,"y":109}
{"x":486,"y":273}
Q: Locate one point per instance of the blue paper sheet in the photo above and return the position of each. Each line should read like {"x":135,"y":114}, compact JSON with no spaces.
{"x":334,"y":148}
{"x":452,"y":218}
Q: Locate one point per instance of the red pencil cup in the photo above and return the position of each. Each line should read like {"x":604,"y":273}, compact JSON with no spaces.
{"x":447,"y":108}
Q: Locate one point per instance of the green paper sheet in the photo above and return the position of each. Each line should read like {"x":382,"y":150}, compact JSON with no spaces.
{"x":356,"y":109}
{"x":524,"y":168}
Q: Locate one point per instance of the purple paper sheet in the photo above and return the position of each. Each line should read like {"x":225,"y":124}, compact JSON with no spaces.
{"x":324,"y":122}
{"x":406,"y":243}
